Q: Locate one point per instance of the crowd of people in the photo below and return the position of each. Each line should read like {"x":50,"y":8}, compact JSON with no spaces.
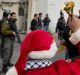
{"x":39,"y":47}
{"x":8,"y":31}
{"x":38,"y":23}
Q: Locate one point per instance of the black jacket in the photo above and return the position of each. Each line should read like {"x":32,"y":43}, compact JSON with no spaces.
{"x":72,"y":49}
{"x":39,"y":23}
{"x":60,"y":25}
{"x":46,"y":21}
{"x":14,"y":28}
{"x":34,"y":24}
{"x":13,"y":24}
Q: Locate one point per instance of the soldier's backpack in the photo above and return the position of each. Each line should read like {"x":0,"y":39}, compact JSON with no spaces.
{"x":5,"y":28}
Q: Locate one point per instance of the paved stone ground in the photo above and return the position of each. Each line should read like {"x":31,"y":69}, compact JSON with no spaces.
{"x":17,"y":50}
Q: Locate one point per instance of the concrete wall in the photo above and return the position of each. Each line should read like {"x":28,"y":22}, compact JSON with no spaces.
{"x":21,"y":23}
{"x":31,"y":11}
{"x":42,"y":6}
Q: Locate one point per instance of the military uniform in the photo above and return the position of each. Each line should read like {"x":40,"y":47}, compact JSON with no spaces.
{"x":7,"y":43}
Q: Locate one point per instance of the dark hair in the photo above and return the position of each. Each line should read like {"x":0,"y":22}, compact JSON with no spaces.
{"x":40,"y":13}
{"x":5,"y":14}
{"x":46,"y":14}
{"x":35,"y":15}
{"x":61,"y":15}
{"x":11,"y":14}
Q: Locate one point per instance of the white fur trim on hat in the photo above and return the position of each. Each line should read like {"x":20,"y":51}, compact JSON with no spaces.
{"x":75,"y":37}
{"x":45,"y":54}
{"x":12,"y":71}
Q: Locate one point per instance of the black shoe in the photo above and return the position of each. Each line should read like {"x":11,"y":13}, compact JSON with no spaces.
{"x":9,"y":64}
{"x":4,"y":69}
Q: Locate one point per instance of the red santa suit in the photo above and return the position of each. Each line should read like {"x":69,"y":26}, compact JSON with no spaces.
{"x":40,"y":45}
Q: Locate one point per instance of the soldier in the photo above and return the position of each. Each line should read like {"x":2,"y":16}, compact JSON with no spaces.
{"x":7,"y":37}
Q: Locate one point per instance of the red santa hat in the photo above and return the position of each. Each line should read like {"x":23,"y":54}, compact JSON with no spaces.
{"x":38,"y":44}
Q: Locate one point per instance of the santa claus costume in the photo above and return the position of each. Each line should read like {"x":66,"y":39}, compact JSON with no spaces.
{"x":36,"y":52}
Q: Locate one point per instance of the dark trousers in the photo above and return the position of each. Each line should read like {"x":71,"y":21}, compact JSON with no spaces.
{"x":2,"y":46}
{"x":7,"y":48}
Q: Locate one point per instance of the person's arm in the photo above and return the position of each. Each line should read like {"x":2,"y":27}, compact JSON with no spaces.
{"x":49,"y":20}
{"x":74,"y":24}
{"x":57,"y":27}
{"x":13,"y":26}
{"x":44,"y":20}
{"x":32,"y":25}
{"x":75,"y":39}
{"x":56,"y":30}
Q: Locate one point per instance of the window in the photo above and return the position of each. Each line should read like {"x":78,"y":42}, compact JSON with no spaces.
{"x":21,"y":11}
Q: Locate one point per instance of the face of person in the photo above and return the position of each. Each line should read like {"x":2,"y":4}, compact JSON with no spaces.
{"x":46,"y":15}
{"x":40,"y":16}
{"x":13,"y":16}
{"x":36,"y":16}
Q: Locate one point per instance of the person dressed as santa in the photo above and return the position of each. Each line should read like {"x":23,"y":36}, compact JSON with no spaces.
{"x":37,"y":50}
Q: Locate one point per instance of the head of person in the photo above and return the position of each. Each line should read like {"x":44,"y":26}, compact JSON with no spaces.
{"x":36,"y":16}
{"x":5,"y":14}
{"x":40,"y":15}
{"x":46,"y":15}
{"x":13,"y":15}
{"x":61,"y":15}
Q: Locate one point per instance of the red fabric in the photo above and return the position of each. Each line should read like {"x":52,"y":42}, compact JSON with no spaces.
{"x":60,"y":67}
{"x":37,"y":40}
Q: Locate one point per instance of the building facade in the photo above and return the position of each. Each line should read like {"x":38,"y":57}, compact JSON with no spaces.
{"x":17,"y":6}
